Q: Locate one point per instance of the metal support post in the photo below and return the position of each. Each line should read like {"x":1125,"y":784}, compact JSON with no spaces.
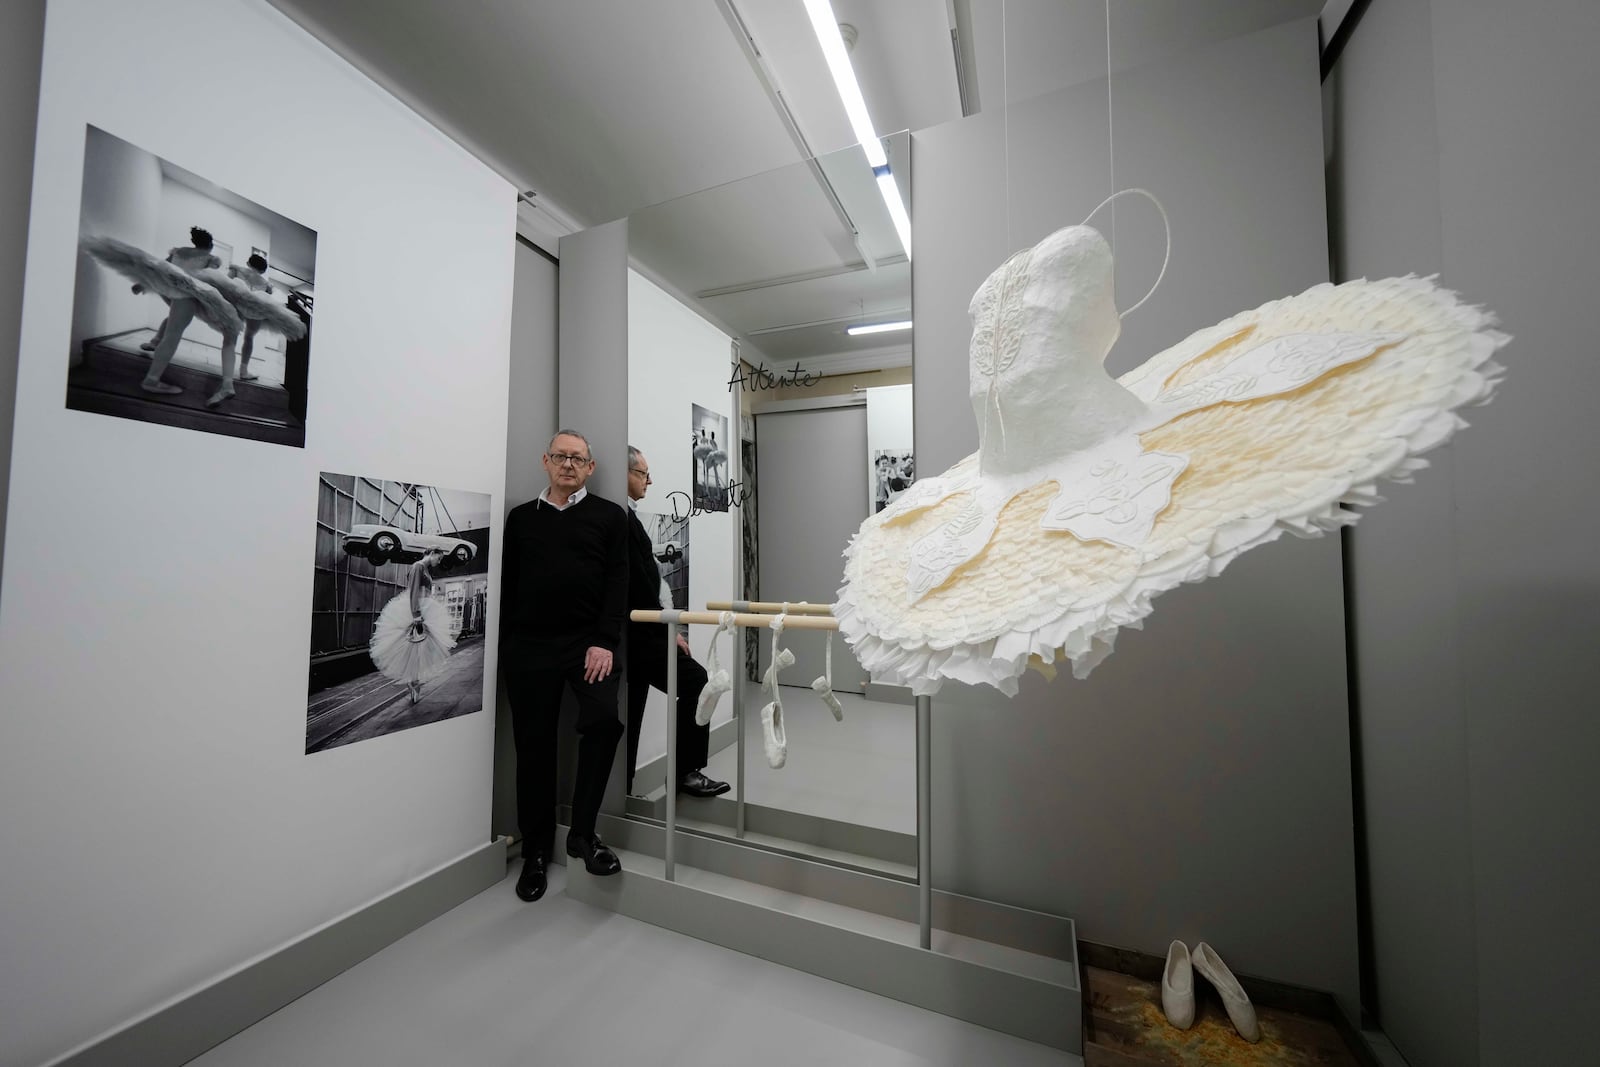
{"x":671,"y":619}
{"x":924,"y":811}
{"x":740,"y":636}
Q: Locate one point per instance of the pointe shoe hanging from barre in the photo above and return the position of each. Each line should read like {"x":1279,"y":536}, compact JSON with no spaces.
{"x":1240,"y":1010}
{"x":1177,"y":987}
{"x":823,"y":686}
{"x":774,"y":737}
{"x":717,"y":683}
{"x":717,"y":680}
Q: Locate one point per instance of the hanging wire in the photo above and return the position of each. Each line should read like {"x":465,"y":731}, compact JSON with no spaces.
{"x":1005,"y":112}
{"x":1111,"y":138}
{"x":1166,"y":224}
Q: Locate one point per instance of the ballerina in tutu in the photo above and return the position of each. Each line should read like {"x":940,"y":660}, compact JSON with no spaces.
{"x":411,"y":640}
{"x":248,"y":292}
{"x":196,"y":257}
{"x":176,"y":280}
{"x":254,"y":275}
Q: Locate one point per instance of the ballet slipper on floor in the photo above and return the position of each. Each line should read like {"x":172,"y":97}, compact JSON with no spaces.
{"x":242,"y":377}
{"x":219,"y":396}
{"x":774,"y":736}
{"x":716,"y":685}
{"x":158,"y":386}
{"x":825,"y":691}
{"x":1177,"y":987}
{"x":1240,"y":1011}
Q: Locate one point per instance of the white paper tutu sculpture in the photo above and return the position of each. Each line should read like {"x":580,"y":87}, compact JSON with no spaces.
{"x":1089,"y":496}
{"x":400,"y":651}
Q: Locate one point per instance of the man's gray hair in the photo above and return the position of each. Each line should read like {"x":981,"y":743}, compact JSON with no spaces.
{"x":569,"y":433}
{"x":633,"y":457}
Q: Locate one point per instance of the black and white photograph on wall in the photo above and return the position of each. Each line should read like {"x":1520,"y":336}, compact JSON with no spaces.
{"x":669,"y":542}
{"x":192,"y":305}
{"x":710,"y":462}
{"x":893,"y":471}
{"x":400,"y":602}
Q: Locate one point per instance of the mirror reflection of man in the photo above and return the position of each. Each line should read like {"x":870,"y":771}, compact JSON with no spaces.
{"x":565,"y":594}
{"x":647,"y":652}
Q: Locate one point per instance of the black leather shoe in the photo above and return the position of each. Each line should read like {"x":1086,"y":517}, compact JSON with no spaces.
{"x":597,"y":858}
{"x":696,"y":784}
{"x":531,"y":884}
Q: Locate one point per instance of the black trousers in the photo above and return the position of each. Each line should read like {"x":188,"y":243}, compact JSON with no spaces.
{"x":647,"y":666}
{"x":535,"y":695}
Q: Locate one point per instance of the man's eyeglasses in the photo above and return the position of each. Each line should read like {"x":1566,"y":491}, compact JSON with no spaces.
{"x":647,"y":479}
{"x":565,"y":459}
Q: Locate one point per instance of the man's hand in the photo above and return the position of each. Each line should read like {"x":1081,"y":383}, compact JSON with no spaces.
{"x":683,"y":643}
{"x":596,"y":664}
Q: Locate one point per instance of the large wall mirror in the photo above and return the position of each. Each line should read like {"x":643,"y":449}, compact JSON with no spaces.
{"x":769,"y":369}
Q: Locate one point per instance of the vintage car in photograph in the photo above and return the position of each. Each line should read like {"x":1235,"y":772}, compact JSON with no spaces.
{"x":385,"y":544}
{"x":667,"y":551}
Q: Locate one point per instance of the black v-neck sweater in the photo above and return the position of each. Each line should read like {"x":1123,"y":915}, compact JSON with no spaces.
{"x":565,"y":582}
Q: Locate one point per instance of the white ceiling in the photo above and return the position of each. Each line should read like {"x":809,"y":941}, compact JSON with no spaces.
{"x":606,"y":107}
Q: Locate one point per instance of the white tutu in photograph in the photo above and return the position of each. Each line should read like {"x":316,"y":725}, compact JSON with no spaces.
{"x":402,"y":653}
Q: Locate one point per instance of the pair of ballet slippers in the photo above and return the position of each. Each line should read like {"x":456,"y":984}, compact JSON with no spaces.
{"x":1177,"y":989}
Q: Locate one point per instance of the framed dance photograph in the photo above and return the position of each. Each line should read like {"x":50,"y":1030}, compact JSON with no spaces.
{"x":893,"y":471}
{"x":709,"y":467}
{"x":669,"y":542}
{"x":400,"y":598}
{"x":192,"y":305}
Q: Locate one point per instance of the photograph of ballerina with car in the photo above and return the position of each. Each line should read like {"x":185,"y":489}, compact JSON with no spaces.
{"x":399,"y":611}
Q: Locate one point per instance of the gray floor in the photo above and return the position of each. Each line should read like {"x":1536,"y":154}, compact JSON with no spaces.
{"x":861,"y":770}
{"x":496,"y":981}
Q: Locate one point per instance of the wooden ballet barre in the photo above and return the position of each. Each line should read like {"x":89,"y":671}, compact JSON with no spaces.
{"x":769,"y":607}
{"x":756,"y":621}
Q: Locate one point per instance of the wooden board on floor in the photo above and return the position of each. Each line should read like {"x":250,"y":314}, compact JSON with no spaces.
{"x":1124,"y":1027}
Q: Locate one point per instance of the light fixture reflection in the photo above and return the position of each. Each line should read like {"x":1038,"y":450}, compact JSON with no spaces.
{"x":879,"y":327}
{"x":890,"y":190}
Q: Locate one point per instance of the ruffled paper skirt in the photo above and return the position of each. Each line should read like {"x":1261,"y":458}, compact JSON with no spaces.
{"x":403,"y":653}
{"x":1293,"y":463}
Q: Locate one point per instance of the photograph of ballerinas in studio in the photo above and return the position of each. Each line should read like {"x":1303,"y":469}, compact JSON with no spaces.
{"x":709,"y":470}
{"x":192,"y":305}
{"x":893,"y":471}
{"x":399,"y":608}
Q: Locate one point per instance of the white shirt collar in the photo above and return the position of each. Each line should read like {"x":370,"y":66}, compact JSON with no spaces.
{"x":544,"y":498}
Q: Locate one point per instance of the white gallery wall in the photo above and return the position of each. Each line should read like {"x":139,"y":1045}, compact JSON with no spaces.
{"x":1197,"y":785}
{"x":159,"y":821}
{"x":677,"y":359}
{"x":1463,"y":140}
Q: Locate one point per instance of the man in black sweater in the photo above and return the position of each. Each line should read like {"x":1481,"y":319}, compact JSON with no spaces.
{"x":566,"y":586}
{"x":647,"y":653}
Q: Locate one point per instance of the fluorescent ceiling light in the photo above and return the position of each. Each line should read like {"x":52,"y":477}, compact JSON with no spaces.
{"x":826,"y":28}
{"x":879,"y":327}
